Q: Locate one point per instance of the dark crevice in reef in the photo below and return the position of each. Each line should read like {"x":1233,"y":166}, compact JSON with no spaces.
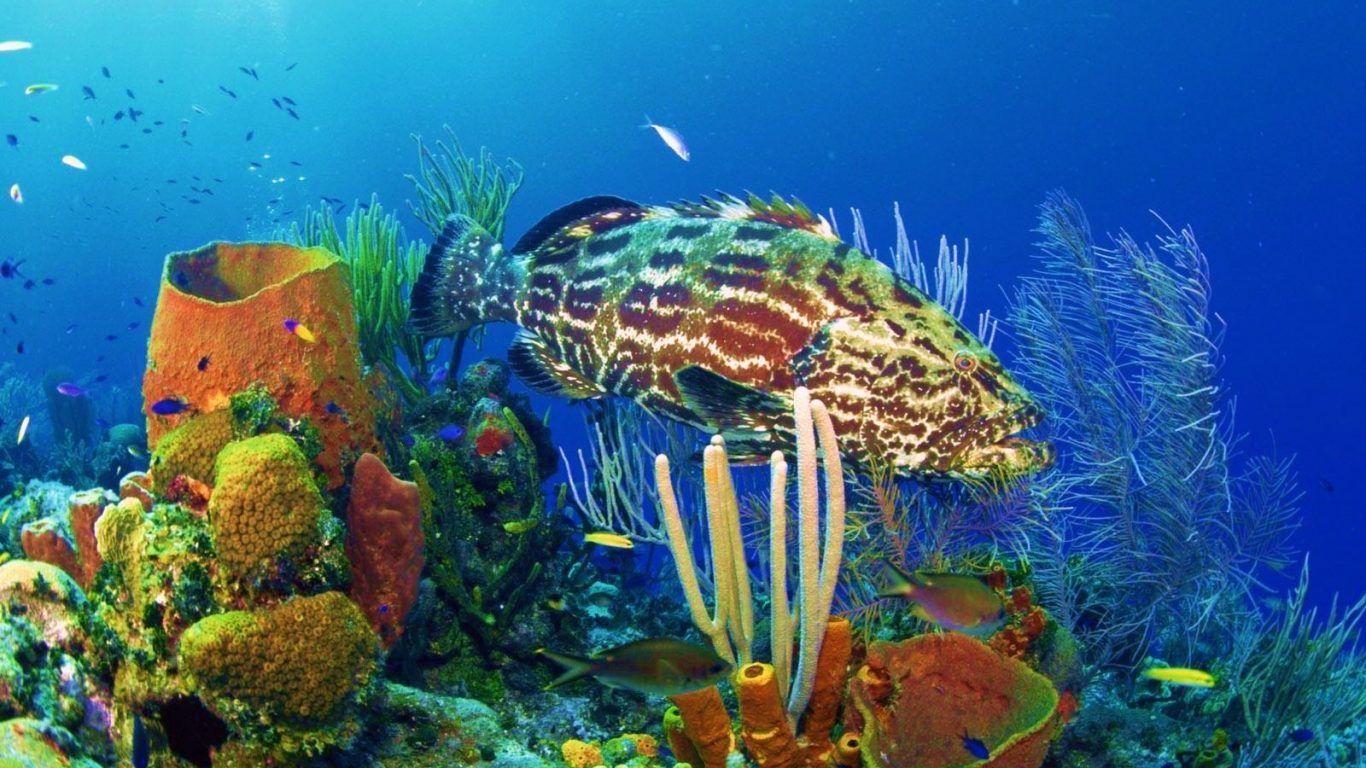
{"x":192,"y":731}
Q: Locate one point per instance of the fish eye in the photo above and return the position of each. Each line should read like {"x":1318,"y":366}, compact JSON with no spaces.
{"x":965,"y":362}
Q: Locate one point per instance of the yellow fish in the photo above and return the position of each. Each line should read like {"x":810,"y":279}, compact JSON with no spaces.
{"x":299,"y":329}
{"x":39,"y":88}
{"x":1191,"y":678}
{"x":607,"y":539}
{"x":521,"y":526}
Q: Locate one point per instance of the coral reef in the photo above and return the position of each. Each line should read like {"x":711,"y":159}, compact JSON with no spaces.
{"x":68,"y":541}
{"x":220,"y":326}
{"x":914,"y":702}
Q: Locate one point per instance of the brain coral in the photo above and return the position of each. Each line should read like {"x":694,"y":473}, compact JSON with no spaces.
{"x":264,"y":503}
{"x":298,"y":660}
{"x":189,"y":449}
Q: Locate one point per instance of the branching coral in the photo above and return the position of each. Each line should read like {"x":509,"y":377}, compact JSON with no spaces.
{"x":1142,"y":524}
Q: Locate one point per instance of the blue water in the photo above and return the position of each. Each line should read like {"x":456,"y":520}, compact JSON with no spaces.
{"x":1241,"y":119}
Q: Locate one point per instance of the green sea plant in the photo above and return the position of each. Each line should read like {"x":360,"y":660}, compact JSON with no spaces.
{"x":450,"y":182}
{"x":384,"y":266}
{"x":1149,"y":519}
{"x":1294,"y":672}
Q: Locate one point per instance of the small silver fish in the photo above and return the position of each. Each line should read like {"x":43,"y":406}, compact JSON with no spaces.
{"x":670,"y":137}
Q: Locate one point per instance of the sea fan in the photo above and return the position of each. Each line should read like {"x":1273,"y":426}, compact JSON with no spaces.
{"x":1144,"y":524}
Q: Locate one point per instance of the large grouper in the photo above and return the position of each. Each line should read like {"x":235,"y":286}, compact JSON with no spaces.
{"x":711,"y":313}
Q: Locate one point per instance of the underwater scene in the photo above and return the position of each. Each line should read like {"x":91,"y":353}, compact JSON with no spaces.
{"x":662,"y":385}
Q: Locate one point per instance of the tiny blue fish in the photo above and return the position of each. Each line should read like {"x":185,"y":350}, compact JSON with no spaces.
{"x":203,"y":364}
{"x":1301,"y":735}
{"x":408,"y":441}
{"x":169,"y":406}
{"x":975,"y":747}
{"x":70,"y":390}
{"x":451,"y":432}
{"x":336,"y":410}
{"x":142,"y":751}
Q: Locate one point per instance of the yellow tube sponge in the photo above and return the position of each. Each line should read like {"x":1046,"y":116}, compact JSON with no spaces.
{"x":298,"y":661}
{"x":265,"y":504}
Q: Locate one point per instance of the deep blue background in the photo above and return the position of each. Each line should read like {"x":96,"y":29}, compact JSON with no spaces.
{"x":1242,"y":119}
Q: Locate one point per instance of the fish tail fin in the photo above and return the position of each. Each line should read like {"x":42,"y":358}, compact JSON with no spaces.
{"x":574,"y":667}
{"x":648,"y":122}
{"x":903,"y":582}
{"x":466,"y":281}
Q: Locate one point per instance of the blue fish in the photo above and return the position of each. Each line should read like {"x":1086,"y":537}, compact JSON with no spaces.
{"x":1301,"y":735}
{"x":975,"y":747}
{"x":451,"y":432}
{"x":142,"y":751}
{"x":408,"y":441}
{"x":169,"y":406}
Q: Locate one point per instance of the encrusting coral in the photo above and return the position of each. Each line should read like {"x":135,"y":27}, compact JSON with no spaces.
{"x":222,"y":323}
{"x":384,"y":543}
{"x":914,"y":702}
{"x":189,"y":449}
{"x":264,"y":505}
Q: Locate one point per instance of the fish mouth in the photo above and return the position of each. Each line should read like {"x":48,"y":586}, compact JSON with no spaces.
{"x":1009,"y":455}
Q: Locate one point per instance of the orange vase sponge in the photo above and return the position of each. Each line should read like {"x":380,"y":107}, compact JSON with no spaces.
{"x":299,"y":661}
{"x":947,"y":686}
{"x":706,"y":725}
{"x":265,"y":504}
{"x":225,"y":319}
{"x":763,"y":718}
{"x":384,"y":546}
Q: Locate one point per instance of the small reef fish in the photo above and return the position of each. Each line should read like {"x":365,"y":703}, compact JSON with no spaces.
{"x":659,"y":666}
{"x":70,"y":390}
{"x":89,"y":93}
{"x":518,"y":527}
{"x":105,"y":71}
{"x":203,"y":364}
{"x":299,"y":329}
{"x":608,"y":539}
{"x":451,"y":432}
{"x":16,"y":194}
{"x":1191,"y":678}
{"x":975,"y":747}
{"x":956,"y":602}
{"x":336,"y":410}
{"x":23,"y":430}
{"x":670,"y":137}
{"x":38,"y":88}
{"x":169,"y":406}
{"x":10,"y":46}
{"x":711,"y":313}
{"x":12,"y":140}
{"x":1301,"y":735}
{"x":71,"y":161}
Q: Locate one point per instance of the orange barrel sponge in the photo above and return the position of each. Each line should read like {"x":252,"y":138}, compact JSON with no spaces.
{"x":384,"y":545}
{"x":230,"y":315}
{"x":763,"y":718}
{"x":950,"y":687}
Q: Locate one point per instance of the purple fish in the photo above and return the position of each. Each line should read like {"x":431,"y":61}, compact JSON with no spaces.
{"x":336,"y":410}
{"x":975,"y":747}
{"x":451,"y":432}
{"x":169,"y":406}
{"x":408,"y":441}
{"x":438,"y":376}
{"x":203,"y":364}
{"x":70,"y":390}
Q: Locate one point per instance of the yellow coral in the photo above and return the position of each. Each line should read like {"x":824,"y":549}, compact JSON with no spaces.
{"x":190,"y":448}
{"x":581,"y":754}
{"x":264,"y":504}
{"x":298,"y":660}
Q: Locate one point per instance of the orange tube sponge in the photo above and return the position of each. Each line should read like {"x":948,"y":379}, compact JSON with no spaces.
{"x":763,"y":718}
{"x":827,"y":694}
{"x":220,"y":326}
{"x":384,"y":545}
{"x":707,"y":725}
{"x":946,"y":686}
{"x":676,"y":734}
{"x":264,"y":504}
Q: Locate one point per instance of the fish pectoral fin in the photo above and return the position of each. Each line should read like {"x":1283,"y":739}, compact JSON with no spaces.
{"x":741,"y":413}
{"x":536,"y":365}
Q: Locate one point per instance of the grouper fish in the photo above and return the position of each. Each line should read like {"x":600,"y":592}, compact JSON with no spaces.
{"x":711,"y":313}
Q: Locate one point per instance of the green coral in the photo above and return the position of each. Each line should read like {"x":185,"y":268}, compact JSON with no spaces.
{"x":190,"y":448}
{"x":265,"y":505}
{"x":296,"y":663}
{"x":253,"y":410}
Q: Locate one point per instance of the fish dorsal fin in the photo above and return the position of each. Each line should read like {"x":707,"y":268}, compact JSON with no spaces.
{"x":562,"y":217}
{"x":543,"y":371}
{"x":790,"y":214}
{"x":745,"y":416}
